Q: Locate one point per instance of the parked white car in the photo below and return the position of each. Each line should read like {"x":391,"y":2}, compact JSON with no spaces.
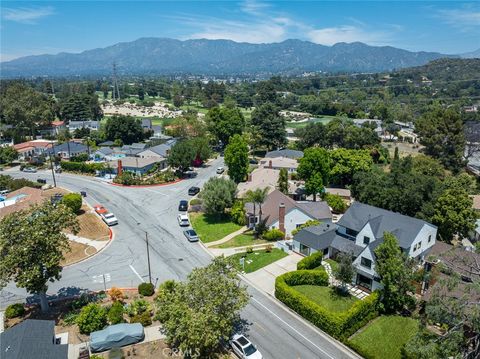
{"x":243,"y":348}
{"x":220,"y":170}
{"x":109,"y":218}
{"x":183,"y":220}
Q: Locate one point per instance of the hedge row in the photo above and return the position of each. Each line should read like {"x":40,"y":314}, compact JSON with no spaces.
{"x":338,"y":325}
{"x":311,"y":262}
{"x":82,"y":167}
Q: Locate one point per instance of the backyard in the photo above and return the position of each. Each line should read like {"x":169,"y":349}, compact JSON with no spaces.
{"x":327,"y":297}
{"x":385,"y":336}
{"x":257,"y":259}
{"x":212,"y":228}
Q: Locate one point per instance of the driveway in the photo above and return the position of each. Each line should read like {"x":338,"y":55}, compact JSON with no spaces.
{"x":264,"y":278}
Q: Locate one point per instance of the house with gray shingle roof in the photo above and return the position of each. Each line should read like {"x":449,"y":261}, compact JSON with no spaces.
{"x":288,"y":153}
{"x":360,"y":231}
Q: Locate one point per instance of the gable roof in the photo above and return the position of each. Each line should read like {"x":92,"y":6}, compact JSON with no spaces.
{"x":293,"y":154}
{"x":106,"y":143}
{"x":105,"y":151}
{"x":66,"y":146}
{"x":163,"y":148}
{"x":315,"y":210}
{"x":24,"y":198}
{"x":32,"y":339}
{"x":135,"y":162}
{"x":405,"y":228}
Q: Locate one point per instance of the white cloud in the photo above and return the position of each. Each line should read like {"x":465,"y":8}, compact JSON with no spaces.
{"x":462,"y":18}
{"x":26,"y":15}
{"x":348,"y":33}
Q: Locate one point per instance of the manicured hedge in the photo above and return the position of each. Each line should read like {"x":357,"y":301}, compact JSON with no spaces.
{"x":338,"y":325}
{"x":146,"y":289}
{"x":82,"y":167}
{"x":312,"y":261}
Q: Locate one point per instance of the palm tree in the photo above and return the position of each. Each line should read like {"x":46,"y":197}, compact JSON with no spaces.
{"x":257,"y":196}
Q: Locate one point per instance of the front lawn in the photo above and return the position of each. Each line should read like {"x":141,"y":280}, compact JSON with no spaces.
{"x":385,"y":336}
{"x":327,"y":297}
{"x":242,"y":240}
{"x":212,"y":228}
{"x":258,"y":259}
{"x":333,"y":264}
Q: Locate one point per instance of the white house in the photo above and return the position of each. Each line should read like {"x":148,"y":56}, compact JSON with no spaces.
{"x":282,"y":212}
{"x":360,"y":231}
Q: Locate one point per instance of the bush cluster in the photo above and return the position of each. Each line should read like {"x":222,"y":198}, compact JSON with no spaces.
{"x":92,"y":317}
{"x":237,"y":213}
{"x":115,"y":313}
{"x":143,"y":318}
{"x":146,"y":289}
{"x":336,"y":202}
{"x":273,"y":234}
{"x":82,"y":167}
{"x":311,"y":262}
{"x":73,"y":201}
{"x":14,"y":310}
{"x":338,"y":325}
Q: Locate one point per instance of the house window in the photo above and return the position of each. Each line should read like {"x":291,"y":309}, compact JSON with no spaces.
{"x":366,"y":240}
{"x":429,"y":238}
{"x":366,"y":262}
{"x":351,"y":232}
{"x":304,"y":249}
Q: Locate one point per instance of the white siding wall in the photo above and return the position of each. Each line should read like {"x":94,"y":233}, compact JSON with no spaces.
{"x":292,"y":218}
{"x":367,"y":253}
{"x":366,"y":231}
{"x":422,"y":238}
{"x":296,"y":247}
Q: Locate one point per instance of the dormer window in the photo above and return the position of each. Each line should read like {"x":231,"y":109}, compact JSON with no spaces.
{"x":366,"y":262}
{"x":366,"y":240}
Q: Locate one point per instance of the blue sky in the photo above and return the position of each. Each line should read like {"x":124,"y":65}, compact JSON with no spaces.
{"x":38,"y":27}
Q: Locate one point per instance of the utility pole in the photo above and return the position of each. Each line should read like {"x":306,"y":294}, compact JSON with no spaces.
{"x":53,"y":171}
{"x":148,"y":259}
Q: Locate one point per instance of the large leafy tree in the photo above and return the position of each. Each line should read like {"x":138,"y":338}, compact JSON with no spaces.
{"x":199,"y":314}
{"x":394,"y":268}
{"x":182,"y":155}
{"x":32,"y":244}
{"x":236,"y":158}
{"x":269,"y":126}
{"x":7,"y":154}
{"x":25,"y":109}
{"x":453,"y":214}
{"x":282,"y":183}
{"x":225,"y":122}
{"x":315,"y":161}
{"x":80,"y":107}
{"x":217,"y":195}
{"x":124,"y":128}
{"x":441,"y":132}
{"x":345,"y":163}
{"x":313,"y":134}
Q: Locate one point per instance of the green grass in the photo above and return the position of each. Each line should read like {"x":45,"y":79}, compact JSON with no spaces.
{"x":258,"y":259}
{"x":322,"y":119}
{"x":334,"y":265}
{"x":212,"y":228}
{"x":244,"y":239}
{"x":326,"y":297}
{"x":385,"y":336}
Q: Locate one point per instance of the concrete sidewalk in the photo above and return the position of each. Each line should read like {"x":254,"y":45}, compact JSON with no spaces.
{"x":98,"y":245}
{"x":264,"y":278}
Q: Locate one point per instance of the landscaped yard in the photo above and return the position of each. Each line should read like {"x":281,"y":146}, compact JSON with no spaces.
{"x":333,"y":264}
{"x":385,"y":336}
{"x":326,"y":297}
{"x":244,"y":239}
{"x":212,"y":228}
{"x":258,"y":259}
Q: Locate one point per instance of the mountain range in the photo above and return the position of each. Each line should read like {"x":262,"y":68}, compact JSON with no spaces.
{"x":220,"y":57}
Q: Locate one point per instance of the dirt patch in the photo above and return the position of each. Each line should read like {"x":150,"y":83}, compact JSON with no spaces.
{"x":404,"y":148}
{"x":48,"y":193}
{"x":91,"y":226}
{"x":157,"y":349}
{"x":78,"y":251}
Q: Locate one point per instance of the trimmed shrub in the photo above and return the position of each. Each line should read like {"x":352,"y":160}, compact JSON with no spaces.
{"x":338,"y":325}
{"x":249,"y":250}
{"x":116,"y":294}
{"x":14,"y":310}
{"x":115,"y":313}
{"x":144,"y":319}
{"x":237,"y":213}
{"x":146,"y":289}
{"x":273,"y":234}
{"x":312,"y":261}
{"x":81,"y":167}
{"x":92,"y":317}
{"x":73,"y":201}
{"x":138,"y":306}
{"x":195,"y":202}
{"x":336,"y":202}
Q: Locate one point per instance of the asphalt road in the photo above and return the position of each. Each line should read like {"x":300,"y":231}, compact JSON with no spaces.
{"x":277,"y":332}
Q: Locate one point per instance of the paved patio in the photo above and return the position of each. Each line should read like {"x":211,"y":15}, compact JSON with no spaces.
{"x":353,"y":290}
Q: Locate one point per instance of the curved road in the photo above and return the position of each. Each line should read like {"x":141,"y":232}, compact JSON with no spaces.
{"x":276,"y":331}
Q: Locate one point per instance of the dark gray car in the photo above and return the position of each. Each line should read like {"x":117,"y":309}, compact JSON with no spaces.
{"x":191,"y":235}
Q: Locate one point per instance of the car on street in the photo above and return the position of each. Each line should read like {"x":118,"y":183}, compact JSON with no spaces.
{"x":183,"y":220}
{"x":191,"y":235}
{"x":109,"y":219}
{"x":192,"y":191}
{"x":30,"y":170}
{"x":41,"y":180}
{"x":183,"y":205}
{"x":220,"y":170}
{"x":253,"y":161}
{"x":58,"y":170}
{"x":243,"y":348}
{"x":100,"y":209}
{"x":4,"y":192}
{"x":83,"y":193}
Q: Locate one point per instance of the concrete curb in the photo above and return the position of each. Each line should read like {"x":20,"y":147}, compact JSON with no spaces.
{"x":145,"y":185}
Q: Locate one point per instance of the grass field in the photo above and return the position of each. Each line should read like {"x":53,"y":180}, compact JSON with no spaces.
{"x":258,"y":259}
{"x":326,"y":297}
{"x":212,"y":228}
{"x":322,"y":119}
{"x":385,"y":336}
{"x":244,"y":239}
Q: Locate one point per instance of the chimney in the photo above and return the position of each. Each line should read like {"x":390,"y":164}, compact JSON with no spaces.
{"x":249,"y":177}
{"x":281,"y":217}
{"x":119,"y":168}
{"x":270,"y":164}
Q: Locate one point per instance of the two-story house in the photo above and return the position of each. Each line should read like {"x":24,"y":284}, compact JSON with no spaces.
{"x":360,"y":231}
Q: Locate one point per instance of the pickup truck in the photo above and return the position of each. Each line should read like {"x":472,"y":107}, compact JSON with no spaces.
{"x":109,"y":218}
